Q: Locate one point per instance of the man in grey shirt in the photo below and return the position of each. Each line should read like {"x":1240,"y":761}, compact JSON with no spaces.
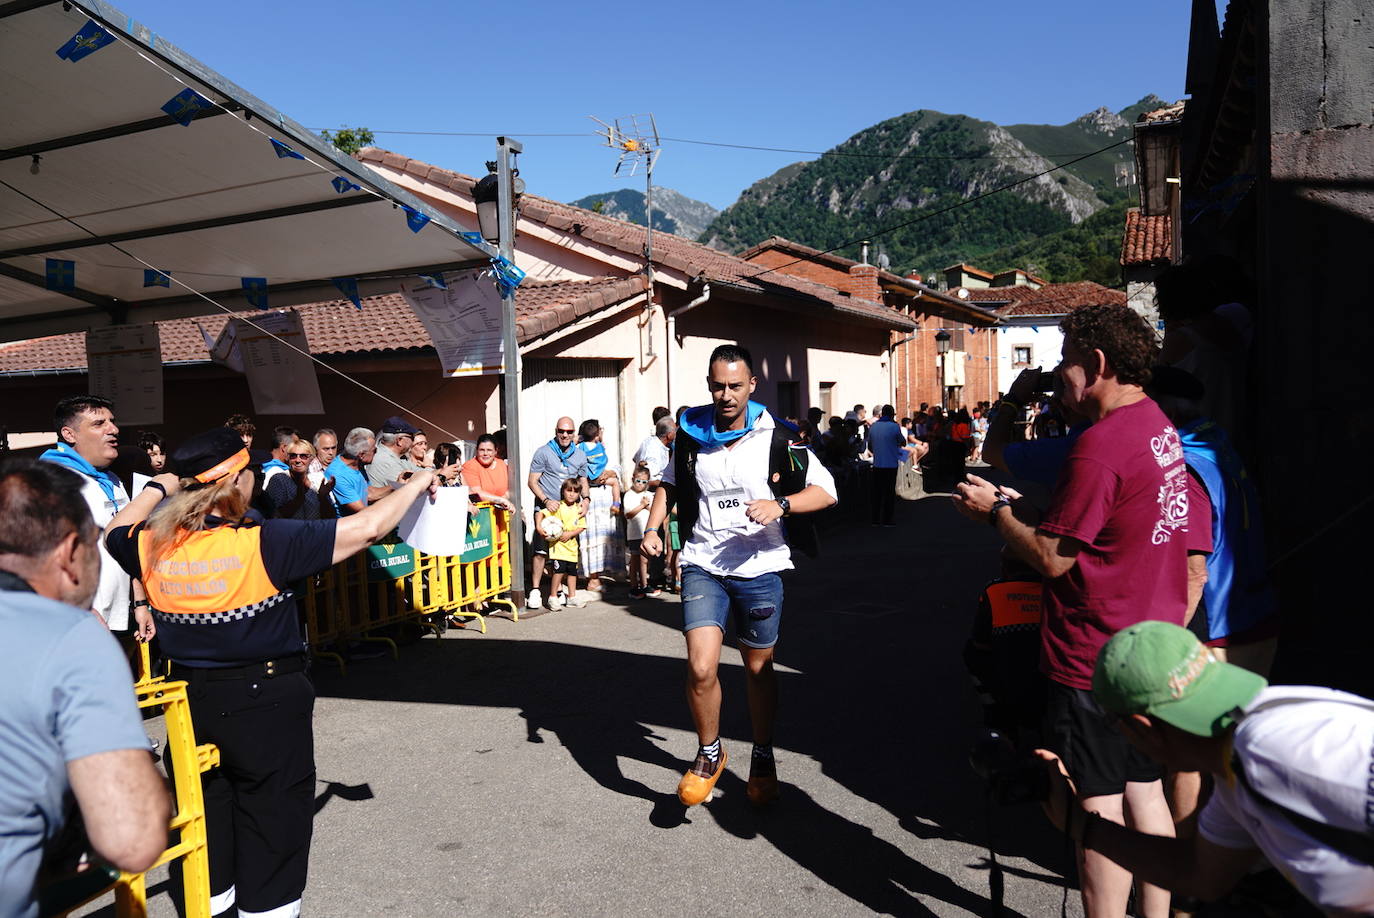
{"x":551,"y":465}
{"x":394,"y":440}
{"x":68,"y":720}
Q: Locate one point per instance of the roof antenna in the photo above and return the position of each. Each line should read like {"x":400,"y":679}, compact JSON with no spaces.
{"x":636,"y":138}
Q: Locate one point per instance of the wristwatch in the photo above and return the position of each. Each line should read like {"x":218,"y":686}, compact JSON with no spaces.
{"x":999,"y":501}
{"x":785,"y":504}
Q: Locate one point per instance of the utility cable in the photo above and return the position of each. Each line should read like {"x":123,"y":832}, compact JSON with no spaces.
{"x":429,"y":425}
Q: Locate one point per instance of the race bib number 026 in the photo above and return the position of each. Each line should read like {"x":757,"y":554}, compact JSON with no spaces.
{"x":727,"y":508}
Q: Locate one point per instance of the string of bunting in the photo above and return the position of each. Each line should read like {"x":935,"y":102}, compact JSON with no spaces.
{"x":187,"y":106}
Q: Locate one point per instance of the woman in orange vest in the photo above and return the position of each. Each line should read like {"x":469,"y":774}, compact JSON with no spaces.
{"x":218,"y":581}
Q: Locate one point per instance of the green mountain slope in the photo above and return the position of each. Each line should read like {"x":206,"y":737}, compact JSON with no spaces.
{"x":911,"y":167}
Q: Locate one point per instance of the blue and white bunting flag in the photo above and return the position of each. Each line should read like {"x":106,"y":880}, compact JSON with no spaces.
{"x":414,"y":219}
{"x":508,"y":276}
{"x":283,"y":151}
{"x":61,"y":275}
{"x":155,"y":278}
{"x":89,"y":40}
{"x":342,"y":185}
{"x":1036,"y":329}
{"x":474,"y":238}
{"x":435,"y":280}
{"x":255,"y":291}
{"x":185,"y":105}
{"x":348,"y":286}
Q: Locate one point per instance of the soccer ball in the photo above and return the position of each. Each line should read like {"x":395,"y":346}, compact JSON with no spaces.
{"x":551,"y":527}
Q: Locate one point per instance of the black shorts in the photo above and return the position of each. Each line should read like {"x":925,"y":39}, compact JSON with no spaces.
{"x":538,"y":544}
{"x":1099,"y":759}
{"x":560,"y":566}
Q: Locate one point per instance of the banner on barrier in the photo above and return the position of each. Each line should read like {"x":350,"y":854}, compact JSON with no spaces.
{"x":479,"y":546}
{"x":390,"y":561}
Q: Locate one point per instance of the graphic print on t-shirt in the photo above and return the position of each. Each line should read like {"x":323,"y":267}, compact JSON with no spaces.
{"x":1173,"y":494}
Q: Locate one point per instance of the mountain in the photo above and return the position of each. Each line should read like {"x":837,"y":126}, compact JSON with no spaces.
{"x":673,"y":212}
{"x":922,"y":168}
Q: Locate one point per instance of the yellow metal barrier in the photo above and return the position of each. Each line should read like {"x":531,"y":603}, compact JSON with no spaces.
{"x":354,"y":598}
{"x":187,"y":759}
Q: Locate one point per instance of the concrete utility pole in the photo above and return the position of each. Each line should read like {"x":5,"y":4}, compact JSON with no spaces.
{"x":505,"y":147}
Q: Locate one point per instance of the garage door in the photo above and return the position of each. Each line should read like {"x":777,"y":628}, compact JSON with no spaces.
{"x":580,"y":389}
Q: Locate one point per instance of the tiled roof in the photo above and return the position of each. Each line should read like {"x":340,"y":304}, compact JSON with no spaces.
{"x":671,"y":252}
{"x":384,"y":324}
{"x":1167,"y":113}
{"x":970,"y":269}
{"x":909,"y":285}
{"x":1049,"y":300}
{"x":1148,"y":240}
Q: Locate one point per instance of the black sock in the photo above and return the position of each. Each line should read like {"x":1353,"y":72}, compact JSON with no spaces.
{"x":764,"y":752}
{"x":711,"y":751}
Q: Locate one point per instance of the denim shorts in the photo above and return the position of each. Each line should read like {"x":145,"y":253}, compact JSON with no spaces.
{"x":708,"y":599}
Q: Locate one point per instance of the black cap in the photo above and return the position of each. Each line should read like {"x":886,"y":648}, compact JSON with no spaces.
{"x":211,"y":455}
{"x":397,"y":425}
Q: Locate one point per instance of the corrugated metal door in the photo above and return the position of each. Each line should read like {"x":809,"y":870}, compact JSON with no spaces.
{"x":580,"y":389}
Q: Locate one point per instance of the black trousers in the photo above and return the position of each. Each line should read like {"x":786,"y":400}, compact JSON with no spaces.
{"x":260,"y":801}
{"x":882,"y":495}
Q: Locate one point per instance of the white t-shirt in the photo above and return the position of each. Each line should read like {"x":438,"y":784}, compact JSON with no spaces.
{"x":1313,"y":754}
{"x":655,"y":455}
{"x":112,"y":596}
{"x":740,"y":474}
{"x":630,"y":502}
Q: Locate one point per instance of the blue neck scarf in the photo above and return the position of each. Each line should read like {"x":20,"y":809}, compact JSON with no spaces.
{"x":64,"y":455}
{"x":700,"y":424}
{"x":561,"y":453}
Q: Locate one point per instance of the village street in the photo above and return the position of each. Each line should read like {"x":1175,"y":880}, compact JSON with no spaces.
{"x":531,"y":770}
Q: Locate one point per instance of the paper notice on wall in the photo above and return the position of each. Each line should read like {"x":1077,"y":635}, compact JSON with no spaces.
{"x":437,"y":527}
{"x":125,"y":364}
{"x":463,"y":321}
{"x":281,"y":375}
{"x":224,"y":350}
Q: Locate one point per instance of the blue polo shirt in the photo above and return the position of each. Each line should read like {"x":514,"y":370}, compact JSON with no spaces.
{"x":553,"y":469}
{"x":349,"y":483}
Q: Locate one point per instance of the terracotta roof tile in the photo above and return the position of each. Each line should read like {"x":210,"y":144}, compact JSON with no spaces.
{"x":673,"y":252}
{"x":1049,"y":300}
{"x":335,"y":327}
{"x":1147,"y":240}
{"x":1167,"y":113}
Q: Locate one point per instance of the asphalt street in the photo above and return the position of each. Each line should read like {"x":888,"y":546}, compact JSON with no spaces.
{"x":531,"y":770}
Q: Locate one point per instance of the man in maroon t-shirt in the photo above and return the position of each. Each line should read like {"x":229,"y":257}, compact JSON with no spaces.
{"x":1112,"y":548}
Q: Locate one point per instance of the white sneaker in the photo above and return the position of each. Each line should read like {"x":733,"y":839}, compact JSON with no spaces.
{"x":580,"y":599}
{"x":557,"y":602}
{"x":534,"y":600}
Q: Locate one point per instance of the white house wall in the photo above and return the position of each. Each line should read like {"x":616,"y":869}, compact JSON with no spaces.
{"x":1045,"y":346}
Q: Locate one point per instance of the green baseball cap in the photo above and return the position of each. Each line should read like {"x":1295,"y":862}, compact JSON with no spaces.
{"x":1163,"y":670}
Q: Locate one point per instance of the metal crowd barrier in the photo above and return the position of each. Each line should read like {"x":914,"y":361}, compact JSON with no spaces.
{"x":392,"y":583}
{"x":185,"y":758}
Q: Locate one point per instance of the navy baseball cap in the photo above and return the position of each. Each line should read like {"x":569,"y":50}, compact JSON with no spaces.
{"x":397,"y":425}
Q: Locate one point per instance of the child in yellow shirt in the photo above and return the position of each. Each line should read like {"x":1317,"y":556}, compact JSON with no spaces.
{"x":563,"y":550}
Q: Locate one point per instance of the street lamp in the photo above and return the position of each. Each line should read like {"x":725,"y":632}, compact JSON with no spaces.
{"x":942,"y":348}
{"x":486,"y":194}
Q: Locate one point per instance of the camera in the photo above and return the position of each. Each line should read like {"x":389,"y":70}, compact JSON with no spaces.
{"x":1012,"y":776}
{"x":1047,"y":382}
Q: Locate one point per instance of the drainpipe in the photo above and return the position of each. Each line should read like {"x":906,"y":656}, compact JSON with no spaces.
{"x":672,"y":336}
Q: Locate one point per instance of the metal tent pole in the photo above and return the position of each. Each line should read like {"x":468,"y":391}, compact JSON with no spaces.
{"x":505,"y":146}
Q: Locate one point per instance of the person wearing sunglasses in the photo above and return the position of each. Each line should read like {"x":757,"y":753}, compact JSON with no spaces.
{"x":551,"y":465}
{"x":291,"y":494}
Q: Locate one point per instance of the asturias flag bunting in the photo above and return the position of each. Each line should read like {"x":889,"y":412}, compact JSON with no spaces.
{"x":414,"y":219}
{"x":155,"y":278}
{"x":89,"y":40}
{"x":348,"y":286}
{"x":342,"y":185}
{"x":255,"y":291}
{"x":283,"y":151}
{"x":185,"y":106}
{"x":61,"y":275}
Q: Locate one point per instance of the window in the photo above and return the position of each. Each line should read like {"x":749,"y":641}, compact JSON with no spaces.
{"x":1021,"y":355}
{"x":956,"y":339}
{"x":827,"y":395}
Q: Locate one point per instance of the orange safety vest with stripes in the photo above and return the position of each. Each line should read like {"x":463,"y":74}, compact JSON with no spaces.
{"x":213,"y":601}
{"x":1016,"y":605}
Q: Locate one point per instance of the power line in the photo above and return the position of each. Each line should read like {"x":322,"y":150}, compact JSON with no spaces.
{"x":935,"y":213}
{"x":745,"y":146}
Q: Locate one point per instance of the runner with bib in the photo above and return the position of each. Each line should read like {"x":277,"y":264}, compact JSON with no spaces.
{"x":734,"y":475}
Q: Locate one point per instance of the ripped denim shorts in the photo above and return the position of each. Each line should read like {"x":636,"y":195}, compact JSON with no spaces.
{"x":708,"y":599}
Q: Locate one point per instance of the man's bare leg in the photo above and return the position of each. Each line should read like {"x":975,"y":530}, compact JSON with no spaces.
{"x":763,"y":691}
{"x":703,"y":681}
{"x":1106,"y":886}
{"x":1147,"y":811}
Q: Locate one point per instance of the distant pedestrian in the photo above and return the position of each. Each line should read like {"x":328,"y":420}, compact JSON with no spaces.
{"x":885,"y":442}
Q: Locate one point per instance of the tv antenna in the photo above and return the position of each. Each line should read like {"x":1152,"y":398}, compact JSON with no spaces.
{"x":636,"y":139}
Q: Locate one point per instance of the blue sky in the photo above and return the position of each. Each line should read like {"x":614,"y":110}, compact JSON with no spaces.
{"x":801,"y":75}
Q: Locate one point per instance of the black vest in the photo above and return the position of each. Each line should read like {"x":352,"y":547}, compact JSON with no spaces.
{"x":786,"y":476}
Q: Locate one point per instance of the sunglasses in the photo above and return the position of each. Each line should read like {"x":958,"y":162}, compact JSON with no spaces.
{"x":562,"y":431}
{"x":298,"y":455}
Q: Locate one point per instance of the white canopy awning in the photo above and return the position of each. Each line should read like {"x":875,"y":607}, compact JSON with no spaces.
{"x":119,"y":183}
